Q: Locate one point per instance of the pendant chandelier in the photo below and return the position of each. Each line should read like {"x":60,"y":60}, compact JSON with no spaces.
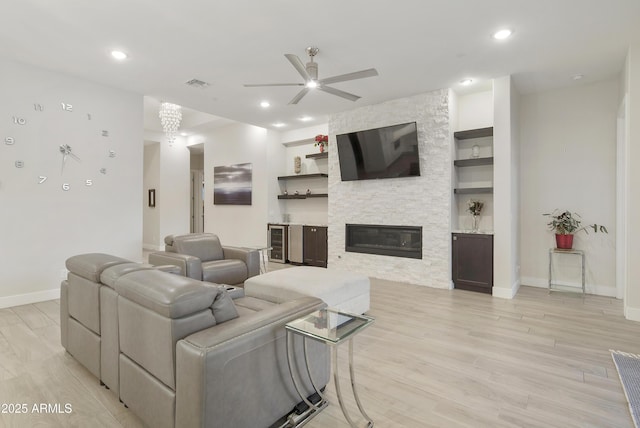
{"x":170,"y":118}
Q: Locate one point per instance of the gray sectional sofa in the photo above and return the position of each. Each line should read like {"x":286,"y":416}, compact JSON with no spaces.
{"x":181,"y":352}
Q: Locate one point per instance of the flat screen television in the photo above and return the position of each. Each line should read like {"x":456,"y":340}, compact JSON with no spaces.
{"x":388,"y":152}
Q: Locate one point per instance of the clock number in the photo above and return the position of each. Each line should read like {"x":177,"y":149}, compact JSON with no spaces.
{"x":9,"y":141}
{"x":67,"y":107}
{"x":66,"y":187}
{"x":19,"y":164}
{"x":88,"y":116}
{"x":112,"y":153}
{"x":105,"y":133}
{"x":42,"y":179}
{"x":88,"y":182}
{"x":103,"y":170}
{"x":19,"y":120}
{"x":38,"y":107}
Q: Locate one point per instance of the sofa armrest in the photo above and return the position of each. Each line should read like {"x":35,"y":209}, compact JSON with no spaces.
{"x":189,"y":265}
{"x":250,"y":256}
{"x":244,"y":360}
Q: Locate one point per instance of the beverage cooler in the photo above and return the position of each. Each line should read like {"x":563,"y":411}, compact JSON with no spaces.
{"x":277,"y":240}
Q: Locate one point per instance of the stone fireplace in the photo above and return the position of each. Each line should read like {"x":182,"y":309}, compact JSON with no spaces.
{"x":397,"y":241}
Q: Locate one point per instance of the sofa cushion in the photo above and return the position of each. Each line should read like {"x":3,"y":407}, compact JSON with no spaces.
{"x":90,"y":266}
{"x":169,"y":295}
{"x":205,"y":246}
{"x":229,"y":271}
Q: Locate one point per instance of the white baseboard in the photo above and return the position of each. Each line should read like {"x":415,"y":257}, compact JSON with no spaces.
{"x":506,"y":293}
{"x":26,"y":299}
{"x":632,"y":314}
{"x":598,"y":290}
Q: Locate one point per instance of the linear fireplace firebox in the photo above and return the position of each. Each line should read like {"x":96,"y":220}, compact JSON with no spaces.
{"x":397,"y":241}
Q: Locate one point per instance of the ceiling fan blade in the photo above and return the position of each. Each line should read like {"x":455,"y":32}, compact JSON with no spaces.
{"x":339,"y":93}
{"x":299,"y":96}
{"x":298,"y":65}
{"x":253,"y":85}
{"x":350,"y":76}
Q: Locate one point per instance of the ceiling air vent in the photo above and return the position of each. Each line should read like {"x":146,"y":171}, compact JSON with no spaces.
{"x":195,"y":83}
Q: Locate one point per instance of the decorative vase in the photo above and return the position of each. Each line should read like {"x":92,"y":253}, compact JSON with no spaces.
{"x":564,"y":242}
{"x":297,"y":164}
{"x":475,"y":151}
{"x":476,"y":223}
{"x":321,"y":148}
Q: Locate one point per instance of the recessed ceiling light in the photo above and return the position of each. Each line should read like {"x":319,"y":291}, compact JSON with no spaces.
{"x":312,"y":84}
{"x":264,"y":104}
{"x":502,"y":34}
{"x":119,"y":55}
{"x":305,"y":119}
{"x":278,"y":124}
{"x":466,"y":82}
{"x":577,"y":76}
{"x":184,"y":134}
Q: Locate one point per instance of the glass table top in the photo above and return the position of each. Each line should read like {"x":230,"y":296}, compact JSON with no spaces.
{"x":323,"y":325}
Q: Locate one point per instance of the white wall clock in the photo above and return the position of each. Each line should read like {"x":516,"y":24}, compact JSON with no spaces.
{"x":58,"y":145}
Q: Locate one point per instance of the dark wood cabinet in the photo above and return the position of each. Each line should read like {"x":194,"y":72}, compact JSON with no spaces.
{"x":472,"y":262}
{"x":315,"y":246}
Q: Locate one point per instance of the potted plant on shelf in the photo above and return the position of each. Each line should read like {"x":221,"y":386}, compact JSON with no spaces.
{"x":321,"y":141}
{"x":565,"y":224}
{"x":475,"y":208}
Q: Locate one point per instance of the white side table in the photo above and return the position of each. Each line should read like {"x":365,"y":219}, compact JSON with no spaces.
{"x":559,"y":287}
{"x":330,"y":327}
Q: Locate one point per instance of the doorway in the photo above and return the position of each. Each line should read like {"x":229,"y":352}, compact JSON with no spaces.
{"x":196,"y":208}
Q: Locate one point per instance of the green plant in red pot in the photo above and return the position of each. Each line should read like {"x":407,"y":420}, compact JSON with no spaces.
{"x":565,"y":224}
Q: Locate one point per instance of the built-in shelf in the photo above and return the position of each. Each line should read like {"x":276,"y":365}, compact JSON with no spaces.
{"x":472,"y":190}
{"x":323,"y":155}
{"x":293,"y":177}
{"x":313,"y":195}
{"x":474,"y":133}
{"x":473,"y":162}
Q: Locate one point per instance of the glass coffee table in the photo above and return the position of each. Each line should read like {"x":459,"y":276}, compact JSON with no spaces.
{"x":331,"y":327}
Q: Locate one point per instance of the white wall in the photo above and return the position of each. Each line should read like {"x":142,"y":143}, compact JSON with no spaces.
{"x":235,"y":144}
{"x":632,"y":136}
{"x":412,"y":201}
{"x":43,"y":225}
{"x":506,"y":173}
{"x":174,"y":195}
{"x":151,"y":238}
{"x":474,"y":111}
{"x":568,"y":155}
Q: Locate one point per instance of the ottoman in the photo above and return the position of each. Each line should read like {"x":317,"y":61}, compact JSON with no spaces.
{"x":342,"y":290}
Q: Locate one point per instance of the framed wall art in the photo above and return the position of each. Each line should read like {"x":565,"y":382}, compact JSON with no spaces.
{"x":232,"y":184}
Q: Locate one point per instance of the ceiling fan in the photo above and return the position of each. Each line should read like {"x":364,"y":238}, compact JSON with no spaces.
{"x":309,"y":73}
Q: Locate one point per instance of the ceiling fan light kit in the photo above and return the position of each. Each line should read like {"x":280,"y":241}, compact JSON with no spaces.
{"x":309,"y":73}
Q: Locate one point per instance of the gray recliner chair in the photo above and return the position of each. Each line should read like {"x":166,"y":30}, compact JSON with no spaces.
{"x":201,"y":256}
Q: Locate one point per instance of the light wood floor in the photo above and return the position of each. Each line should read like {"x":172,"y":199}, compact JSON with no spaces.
{"x":434,"y":358}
